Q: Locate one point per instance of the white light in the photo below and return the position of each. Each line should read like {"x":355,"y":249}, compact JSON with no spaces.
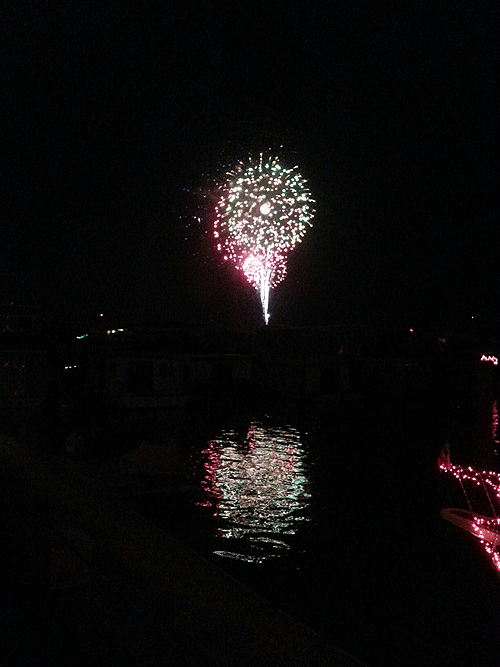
{"x":265,"y":209}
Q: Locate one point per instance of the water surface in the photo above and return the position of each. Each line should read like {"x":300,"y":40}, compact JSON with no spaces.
{"x":257,"y":484}
{"x":334,"y":516}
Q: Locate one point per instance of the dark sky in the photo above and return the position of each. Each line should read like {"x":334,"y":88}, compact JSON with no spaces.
{"x":113,"y":112}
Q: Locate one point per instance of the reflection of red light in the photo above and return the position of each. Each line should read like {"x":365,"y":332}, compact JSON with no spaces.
{"x":494,"y":423}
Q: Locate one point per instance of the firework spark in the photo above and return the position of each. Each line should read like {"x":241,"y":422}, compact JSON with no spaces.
{"x":263,"y":211}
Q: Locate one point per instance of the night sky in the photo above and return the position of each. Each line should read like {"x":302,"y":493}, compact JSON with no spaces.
{"x":115,"y":116}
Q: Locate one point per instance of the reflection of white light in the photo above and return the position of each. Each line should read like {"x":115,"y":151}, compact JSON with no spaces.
{"x":265,"y":208}
{"x":259,"y":490}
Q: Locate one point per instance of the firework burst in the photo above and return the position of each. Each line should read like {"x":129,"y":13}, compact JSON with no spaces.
{"x":263,"y":211}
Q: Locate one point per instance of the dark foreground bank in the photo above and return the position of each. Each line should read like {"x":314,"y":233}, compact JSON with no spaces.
{"x":87,"y":579}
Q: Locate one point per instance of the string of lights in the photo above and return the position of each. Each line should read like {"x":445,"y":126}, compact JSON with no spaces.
{"x":485,"y":528}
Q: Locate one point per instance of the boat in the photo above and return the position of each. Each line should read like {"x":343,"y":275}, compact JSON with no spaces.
{"x":484,"y":528}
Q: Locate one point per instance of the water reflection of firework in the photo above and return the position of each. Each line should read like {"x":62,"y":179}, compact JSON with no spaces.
{"x":258,"y":489}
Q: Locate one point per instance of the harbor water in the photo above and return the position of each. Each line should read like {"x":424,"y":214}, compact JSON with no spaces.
{"x":332,"y":513}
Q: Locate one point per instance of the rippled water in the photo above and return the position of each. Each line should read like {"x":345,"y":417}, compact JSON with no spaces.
{"x":339,"y":523}
{"x":257,"y":485}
